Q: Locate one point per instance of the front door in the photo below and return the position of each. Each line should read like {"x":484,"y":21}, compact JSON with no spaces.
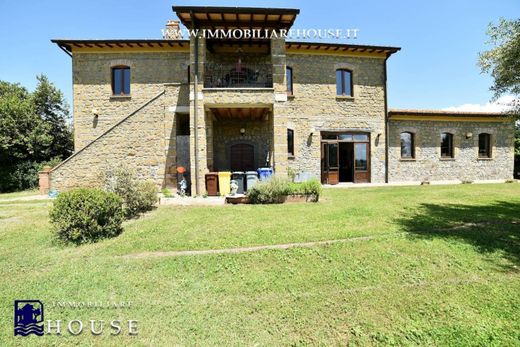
{"x":330,"y":163}
{"x":242,"y":157}
{"x":361,"y":169}
{"x":345,"y":157}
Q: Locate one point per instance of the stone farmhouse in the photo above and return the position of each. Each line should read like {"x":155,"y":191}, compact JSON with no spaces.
{"x":303,"y":109}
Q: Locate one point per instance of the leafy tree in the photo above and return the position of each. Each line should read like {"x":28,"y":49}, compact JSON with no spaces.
{"x":503,"y":59}
{"x":23,"y":135}
{"x":51,"y":107}
{"x":33,"y":131}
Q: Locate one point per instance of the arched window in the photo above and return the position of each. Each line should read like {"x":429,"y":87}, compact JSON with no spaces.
{"x":446,"y":145}
{"x":407,"y":145}
{"x":344,"y":82}
{"x":484,"y":145}
{"x":121,"y":80}
{"x":289,"y":77}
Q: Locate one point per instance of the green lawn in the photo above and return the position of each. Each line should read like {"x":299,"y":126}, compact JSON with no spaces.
{"x":442,"y":268}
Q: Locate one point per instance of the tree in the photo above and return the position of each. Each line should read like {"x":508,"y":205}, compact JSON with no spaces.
{"x":51,"y":107}
{"x":503,"y":59}
{"x":23,"y":135}
{"x":33,"y":132}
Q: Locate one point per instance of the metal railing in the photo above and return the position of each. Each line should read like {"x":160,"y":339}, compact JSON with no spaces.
{"x":238,"y":75}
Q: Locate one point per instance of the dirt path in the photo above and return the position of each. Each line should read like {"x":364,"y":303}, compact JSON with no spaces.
{"x":255,"y":248}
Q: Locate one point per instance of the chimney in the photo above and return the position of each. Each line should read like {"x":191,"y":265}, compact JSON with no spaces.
{"x":172,"y":30}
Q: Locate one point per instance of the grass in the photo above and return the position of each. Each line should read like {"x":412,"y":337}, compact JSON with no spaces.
{"x":20,"y":194}
{"x":442,"y":269}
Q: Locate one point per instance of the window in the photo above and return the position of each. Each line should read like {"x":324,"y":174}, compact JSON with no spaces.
{"x":289,"y":76}
{"x":407,"y":145}
{"x":121,"y":80}
{"x":484,"y":145}
{"x":446,"y":145}
{"x":290,"y":141}
{"x":344,"y":82}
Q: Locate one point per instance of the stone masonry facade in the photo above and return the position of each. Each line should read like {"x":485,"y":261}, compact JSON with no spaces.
{"x":465,"y":166}
{"x":139,"y":130}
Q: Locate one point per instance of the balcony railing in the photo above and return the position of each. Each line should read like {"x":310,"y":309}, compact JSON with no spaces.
{"x":238,"y":75}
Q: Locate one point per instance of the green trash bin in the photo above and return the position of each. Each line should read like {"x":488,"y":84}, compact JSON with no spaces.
{"x":238,"y":176}
{"x":251,"y":179}
{"x":224,"y":179}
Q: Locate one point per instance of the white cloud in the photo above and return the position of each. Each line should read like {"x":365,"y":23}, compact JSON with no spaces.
{"x":502,"y":104}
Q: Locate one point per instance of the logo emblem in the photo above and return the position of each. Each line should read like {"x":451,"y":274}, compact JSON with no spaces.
{"x":28,"y":317}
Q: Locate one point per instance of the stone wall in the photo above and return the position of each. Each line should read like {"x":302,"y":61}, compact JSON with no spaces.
{"x":92,"y":88}
{"x":145,"y":141}
{"x":465,"y":166}
{"x":315,"y":106}
{"x":226,"y":132}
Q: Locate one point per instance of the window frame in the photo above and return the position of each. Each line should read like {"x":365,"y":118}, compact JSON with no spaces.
{"x":290,"y":85}
{"x":451,"y":153}
{"x":412,"y":145}
{"x":343,"y":72}
{"x":123,"y":68}
{"x":290,"y":142}
{"x":489,"y":151}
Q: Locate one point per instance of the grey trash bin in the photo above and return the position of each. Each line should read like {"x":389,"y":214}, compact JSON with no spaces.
{"x":239,"y":177}
{"x":251,"y":179}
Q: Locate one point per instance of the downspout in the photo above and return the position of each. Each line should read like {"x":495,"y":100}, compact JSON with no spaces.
{"x":387,"y":141}
{"x":195,"y":105}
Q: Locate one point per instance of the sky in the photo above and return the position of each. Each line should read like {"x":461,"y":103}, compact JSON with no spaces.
{"x":436,"y":68}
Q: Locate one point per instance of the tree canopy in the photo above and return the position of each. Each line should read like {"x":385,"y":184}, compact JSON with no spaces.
{"x":502,"y":61}
{"x":34,"y":130}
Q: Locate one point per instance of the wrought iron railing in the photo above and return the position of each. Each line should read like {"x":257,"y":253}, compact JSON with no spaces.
{"x":238,"y":75}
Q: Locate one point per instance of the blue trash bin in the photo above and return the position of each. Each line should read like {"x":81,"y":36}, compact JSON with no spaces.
{"x":264,"y":173}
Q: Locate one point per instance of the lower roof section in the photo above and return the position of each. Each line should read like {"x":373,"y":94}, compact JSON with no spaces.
{"x":444,"y":115}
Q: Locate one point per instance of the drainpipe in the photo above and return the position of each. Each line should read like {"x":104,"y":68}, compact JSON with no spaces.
{"x":195,"y":105}
{"x":386,"y":123}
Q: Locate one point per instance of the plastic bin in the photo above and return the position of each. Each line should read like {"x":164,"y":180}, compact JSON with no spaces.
{"x":264,"y":173}
{"x":224,"y":178}
{"x":239,"y":176}
{"x":251,"y":179}
{"x":212,"y":183}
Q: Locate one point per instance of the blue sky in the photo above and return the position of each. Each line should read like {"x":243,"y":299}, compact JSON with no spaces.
{"x":436,"y":67}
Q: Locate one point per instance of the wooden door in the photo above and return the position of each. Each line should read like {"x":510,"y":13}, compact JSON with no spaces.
{"x":361,"y":163}
{"x":330,"y":162}
{"x":242,"y":157}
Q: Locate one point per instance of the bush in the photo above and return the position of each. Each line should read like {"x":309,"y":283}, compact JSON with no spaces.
{"x":137,"y":196}
{"x":271,"y":191}
{"x":311,"y":188}
{"x":276,"y":189}
{"x":87,"y":215}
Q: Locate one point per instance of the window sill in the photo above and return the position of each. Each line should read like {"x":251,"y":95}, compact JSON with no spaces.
{"x":120,"y":97}
{"x":290,"y":96}
{"x":407,"y":159}
{"x":291,"y":156}
{"x":344,"y":98}
{"x":485,"y":158}
{"x":447,"y":159}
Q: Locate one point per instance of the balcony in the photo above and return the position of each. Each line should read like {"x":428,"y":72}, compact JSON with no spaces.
{"x":238,"y":75}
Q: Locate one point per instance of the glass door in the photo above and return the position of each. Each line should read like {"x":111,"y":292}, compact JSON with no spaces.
{"x":361,"y":168}
{"x":330,"y":162}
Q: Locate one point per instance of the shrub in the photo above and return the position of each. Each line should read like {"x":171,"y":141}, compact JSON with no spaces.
{"x":87,"y":215}
{"x":166,"y":193}
{"x":311,"y":188}
{"x":137,"y":196}
{"x":269,"y":192}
